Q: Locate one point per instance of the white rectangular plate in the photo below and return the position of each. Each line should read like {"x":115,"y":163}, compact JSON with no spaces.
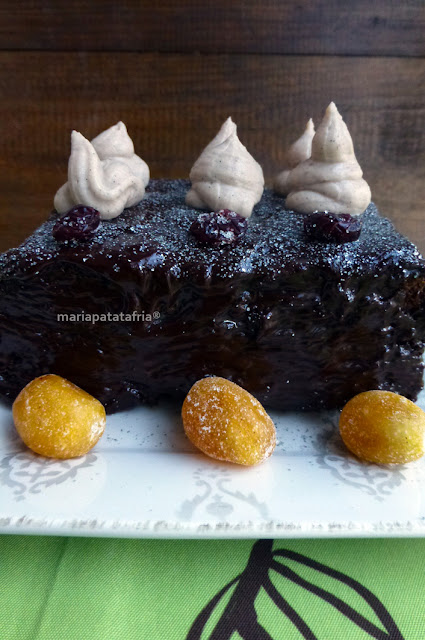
{"x":144,"y":479}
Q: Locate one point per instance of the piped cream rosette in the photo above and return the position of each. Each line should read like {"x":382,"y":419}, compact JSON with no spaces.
{"x":226,"y":176}
{"x":299,"y":151}
{"x":331,"y":180}
{"x":105,"y":174}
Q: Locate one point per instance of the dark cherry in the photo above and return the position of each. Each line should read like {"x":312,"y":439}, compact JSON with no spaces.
{"x":329,"y":227}
{"x":219,"y":227}
{"x":80,"y":223}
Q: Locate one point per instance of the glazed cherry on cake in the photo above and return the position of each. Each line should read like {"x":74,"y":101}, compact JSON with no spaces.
{"x":219,"y":228}
{"x":329,"y":227}
{"x":80,"y":223}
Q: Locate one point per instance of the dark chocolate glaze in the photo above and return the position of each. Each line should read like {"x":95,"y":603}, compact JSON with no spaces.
{"x":300,"y":324}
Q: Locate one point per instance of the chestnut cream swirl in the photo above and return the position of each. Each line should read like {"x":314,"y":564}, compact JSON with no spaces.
{"x":299,"y":151}
{"x":331,"y":180}
{"x":226,"y":176}
{"x":105,"y":173}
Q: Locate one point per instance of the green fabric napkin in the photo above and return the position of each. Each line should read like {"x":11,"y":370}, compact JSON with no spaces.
{"x":113,"y":589}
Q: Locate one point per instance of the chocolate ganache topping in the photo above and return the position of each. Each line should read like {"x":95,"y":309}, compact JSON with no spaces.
{"x":300,"y":324}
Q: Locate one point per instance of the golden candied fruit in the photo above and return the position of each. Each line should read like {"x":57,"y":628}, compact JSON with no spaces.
{"x":57,"y":419}
{"x":227,"y":423}
{"x":383,"y":427}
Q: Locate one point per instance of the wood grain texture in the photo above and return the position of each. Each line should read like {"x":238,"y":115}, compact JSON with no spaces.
{"x":173,"y":104}
{"x":359,"y":27}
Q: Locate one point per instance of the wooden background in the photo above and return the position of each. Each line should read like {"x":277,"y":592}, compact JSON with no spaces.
{"x":173,"y":71}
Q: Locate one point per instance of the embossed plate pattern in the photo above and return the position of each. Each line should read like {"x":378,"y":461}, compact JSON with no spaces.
{"x":144,"y":479}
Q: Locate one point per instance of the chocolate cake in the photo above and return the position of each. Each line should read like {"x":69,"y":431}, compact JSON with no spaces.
{"x":299,"y":323}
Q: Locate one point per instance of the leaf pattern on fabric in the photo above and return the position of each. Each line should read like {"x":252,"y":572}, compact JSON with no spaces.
{"x":240,"y":616}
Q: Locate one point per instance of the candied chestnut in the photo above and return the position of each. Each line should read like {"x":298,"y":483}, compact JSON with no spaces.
{"x":383,"y":427}
{"x":57,"y":419}
{"x":228,"y":423}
